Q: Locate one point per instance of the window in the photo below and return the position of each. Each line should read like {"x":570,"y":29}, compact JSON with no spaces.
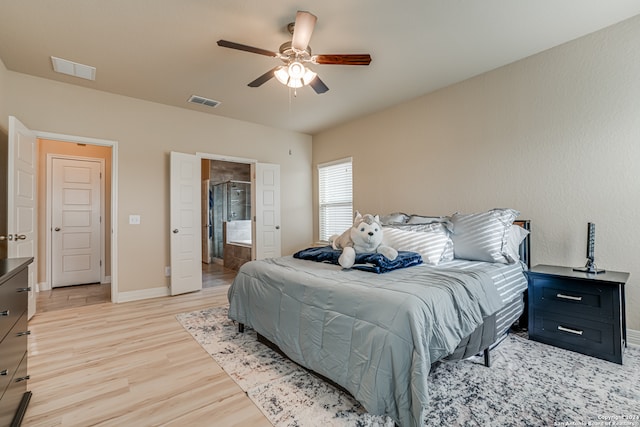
{"x":336,"y":197}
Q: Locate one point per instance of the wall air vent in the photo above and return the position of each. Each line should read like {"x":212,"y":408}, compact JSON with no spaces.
{"x":194,"y":99}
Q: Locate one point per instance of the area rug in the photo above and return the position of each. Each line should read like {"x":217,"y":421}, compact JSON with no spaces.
{"x":528,"y":384}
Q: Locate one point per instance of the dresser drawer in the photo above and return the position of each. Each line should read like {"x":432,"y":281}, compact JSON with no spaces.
{"x":12,"y":302}
{"x":12,"y":350}
{"x":571,"y":297}
{"x":14,"y":395}
{"x":589,"y":337}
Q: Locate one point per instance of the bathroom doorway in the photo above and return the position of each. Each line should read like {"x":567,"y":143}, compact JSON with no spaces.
{"x":226,"y":213}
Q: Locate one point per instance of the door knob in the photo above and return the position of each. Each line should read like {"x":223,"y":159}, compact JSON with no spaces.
{"x":175,"y":231}
{"x":57,"y":229}
{"x":19,"y":236}
{"x":3,"y":238}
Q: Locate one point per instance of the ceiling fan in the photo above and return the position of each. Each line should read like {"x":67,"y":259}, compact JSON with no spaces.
{"x":295,"y":54}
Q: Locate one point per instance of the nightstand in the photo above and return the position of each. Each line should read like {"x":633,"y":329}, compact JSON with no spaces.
{"x":577,"y":311}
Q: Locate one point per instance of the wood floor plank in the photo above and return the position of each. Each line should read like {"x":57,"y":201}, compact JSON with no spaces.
{"x":130,"y":364}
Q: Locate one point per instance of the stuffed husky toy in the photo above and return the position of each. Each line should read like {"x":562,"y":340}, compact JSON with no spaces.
{"x":365,"y":236}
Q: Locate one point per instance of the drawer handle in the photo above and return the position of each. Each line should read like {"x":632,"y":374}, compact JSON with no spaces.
{"x":572,"y":331}
{"x":21,"y":334}
{"x":4,"y":372}
{"x":571,"y":297}
{"x":26,"y":377}
{"x":4,"y":313}
{"x":23,"y":289}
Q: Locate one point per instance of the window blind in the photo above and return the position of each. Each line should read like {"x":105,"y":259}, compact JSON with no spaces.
{"x":336,"y":197}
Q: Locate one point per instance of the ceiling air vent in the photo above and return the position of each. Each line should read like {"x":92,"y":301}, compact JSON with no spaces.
{"x":75,"y":69}
{"x":204,"y":101}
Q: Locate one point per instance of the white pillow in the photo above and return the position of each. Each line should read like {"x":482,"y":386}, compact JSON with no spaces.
{"x":482,"y":236}
{"x":430,"y":244}
{"x":448,"y":254}
{"x":515,"y":237}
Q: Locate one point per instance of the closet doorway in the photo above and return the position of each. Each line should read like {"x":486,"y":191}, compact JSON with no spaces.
{"x":75,"y":192}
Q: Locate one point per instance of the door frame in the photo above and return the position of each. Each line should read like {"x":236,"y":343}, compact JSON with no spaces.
{"x":48,"y":208}
{"x":114,"y":195}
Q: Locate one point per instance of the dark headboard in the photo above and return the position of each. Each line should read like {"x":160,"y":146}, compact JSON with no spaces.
{"x":525,"y":246}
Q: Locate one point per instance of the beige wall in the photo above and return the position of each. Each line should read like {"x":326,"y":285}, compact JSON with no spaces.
{"x":556,"y":136}
{"x":46,"y":147}
{"x":146,"y":133}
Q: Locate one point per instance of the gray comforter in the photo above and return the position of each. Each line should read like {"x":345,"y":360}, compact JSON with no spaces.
{"x":375,"y":335}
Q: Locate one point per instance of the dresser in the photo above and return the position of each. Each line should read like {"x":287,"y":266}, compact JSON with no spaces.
{"x":578,"y":311}
{"x":14,"y":290}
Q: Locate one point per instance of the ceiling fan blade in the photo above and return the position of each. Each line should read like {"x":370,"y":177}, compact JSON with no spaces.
{"x":305,"y":22}
{"x":238,"y":46}
{"x":318,"y":85}
{"x":263,"y":78}
{"x":356,"y":59}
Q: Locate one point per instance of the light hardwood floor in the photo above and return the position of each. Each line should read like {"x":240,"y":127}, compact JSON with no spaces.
{"x":73,"y":296}
{"x":130,"y":364}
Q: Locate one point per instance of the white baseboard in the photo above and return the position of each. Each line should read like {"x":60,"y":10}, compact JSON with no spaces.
{"x":143,"y":294}
{"x":633,"y":337}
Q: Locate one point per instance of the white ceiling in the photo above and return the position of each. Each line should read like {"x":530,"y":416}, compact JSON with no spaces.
{"x":165,"y":50}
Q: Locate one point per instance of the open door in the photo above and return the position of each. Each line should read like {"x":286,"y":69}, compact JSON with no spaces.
{"x":267,"y":219}
{"x":21,"y":215}
{"x":185,"y":231}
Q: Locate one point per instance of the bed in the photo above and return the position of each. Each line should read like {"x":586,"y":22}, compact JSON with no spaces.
{"x":377,"y":335}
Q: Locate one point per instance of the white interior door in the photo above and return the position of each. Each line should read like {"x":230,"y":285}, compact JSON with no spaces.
{"x":185,"y":232}
{"x":267,"y":210}
{"x":22,"y":202}
{"x":75,"y":234}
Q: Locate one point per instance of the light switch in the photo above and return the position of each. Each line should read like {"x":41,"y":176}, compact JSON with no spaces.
{"x":134,"y":219}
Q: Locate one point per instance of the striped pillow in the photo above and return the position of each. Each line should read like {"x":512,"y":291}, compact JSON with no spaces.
{"x":430,"y":244}
{"x":482,"y":236}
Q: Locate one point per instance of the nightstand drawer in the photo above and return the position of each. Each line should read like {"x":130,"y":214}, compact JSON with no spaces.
{"x":573,"y":298}
{"x":577,"y":334}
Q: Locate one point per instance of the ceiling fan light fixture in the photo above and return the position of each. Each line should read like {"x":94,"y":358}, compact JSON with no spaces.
{"x":282,"y":75}
{"x":308,"y":77}
{"x":295,"y":83}
{"x":294,"y":75}
{"x":296,"y":70}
